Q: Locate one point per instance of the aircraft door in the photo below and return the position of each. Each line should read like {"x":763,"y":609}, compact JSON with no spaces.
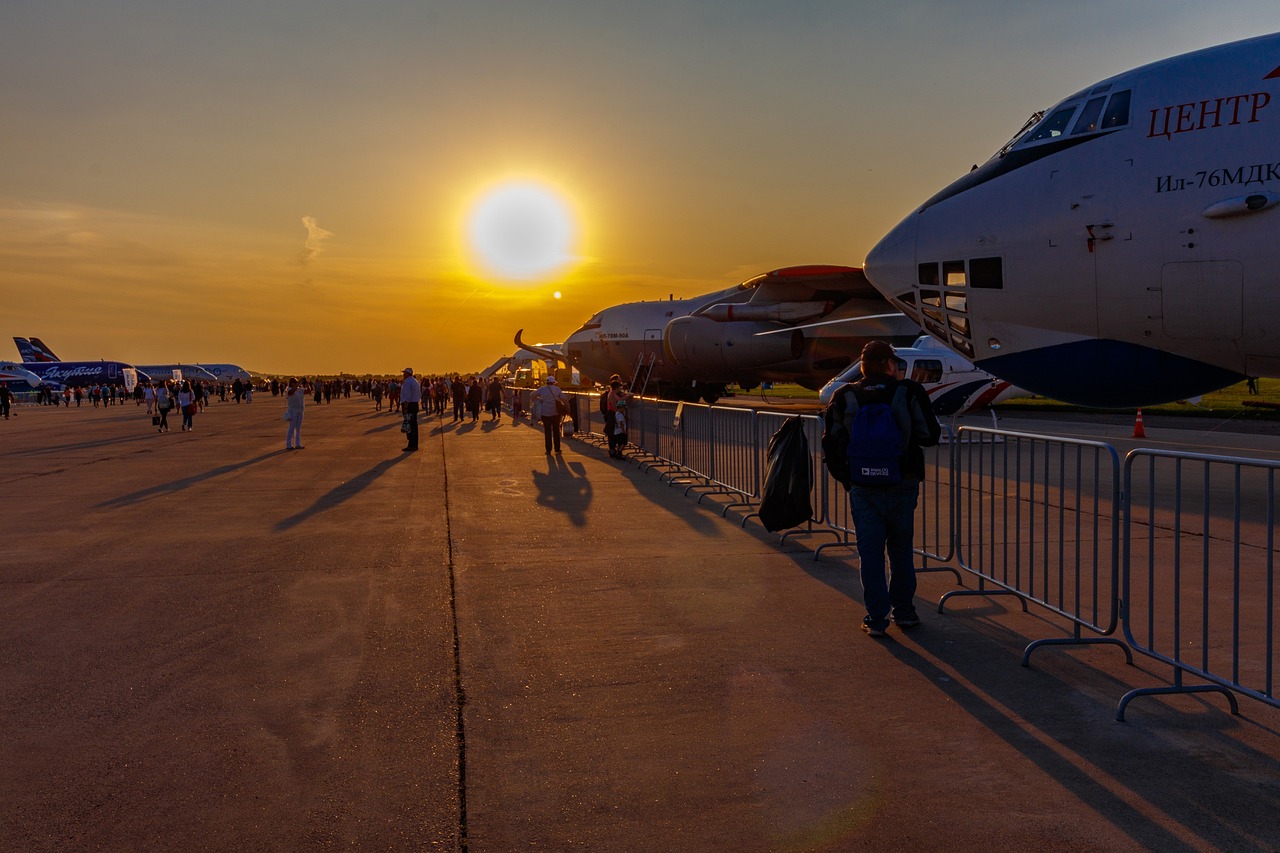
{"x":1124,"y":254}
{"x":1203,"y":300}
{"x":653,"y":345}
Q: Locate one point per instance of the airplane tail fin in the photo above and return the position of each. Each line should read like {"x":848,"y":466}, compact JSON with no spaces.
{"x":25,"y":350}
{"x":43,"y":353}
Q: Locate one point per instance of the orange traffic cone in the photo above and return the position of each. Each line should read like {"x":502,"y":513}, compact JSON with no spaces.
{"x":1138,"y":431}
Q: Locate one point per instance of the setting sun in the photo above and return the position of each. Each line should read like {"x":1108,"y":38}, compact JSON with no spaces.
{"x":521,"y":230}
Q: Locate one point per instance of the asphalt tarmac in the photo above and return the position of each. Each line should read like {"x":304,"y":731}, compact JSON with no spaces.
{"x":210,"y":643}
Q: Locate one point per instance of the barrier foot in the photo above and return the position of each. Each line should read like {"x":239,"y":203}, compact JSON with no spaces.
{"x":724,"y":512}
{"x":1075,"y":641}
{"x":818,"y":551}
{"x":810,"y":531}
{"x":956,"y":572}
{"x":1162,"y":691}
{"x":942,"y":602}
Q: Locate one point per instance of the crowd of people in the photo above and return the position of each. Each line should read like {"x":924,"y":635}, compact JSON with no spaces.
{"x":459,"y":397}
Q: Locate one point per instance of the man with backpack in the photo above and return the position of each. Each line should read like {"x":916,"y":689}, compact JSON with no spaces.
{"x":887,"y":420}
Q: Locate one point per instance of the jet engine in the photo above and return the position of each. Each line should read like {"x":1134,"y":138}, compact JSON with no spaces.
{"x":715,"y":350}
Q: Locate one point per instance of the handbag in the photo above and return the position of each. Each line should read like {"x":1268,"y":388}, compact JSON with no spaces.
{"x":404,"y":425}
{"x":155,"y":420}
{"x":562,"y":406}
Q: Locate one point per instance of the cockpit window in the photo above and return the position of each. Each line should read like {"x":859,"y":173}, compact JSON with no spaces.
{"x":1052,"y":127}
{"x":1117,"y":114}
{"x":1088,"y":120}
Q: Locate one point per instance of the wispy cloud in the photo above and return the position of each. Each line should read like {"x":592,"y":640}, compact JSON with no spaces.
{"x":315,"y":239}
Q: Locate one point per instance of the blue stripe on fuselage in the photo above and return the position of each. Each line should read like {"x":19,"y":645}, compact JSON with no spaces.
{"x":1106,"y":374}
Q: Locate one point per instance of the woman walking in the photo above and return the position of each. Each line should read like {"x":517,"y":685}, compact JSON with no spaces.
{"x":295,"y":397}
{"x":187,"y":403}
{"x":164,"y":402}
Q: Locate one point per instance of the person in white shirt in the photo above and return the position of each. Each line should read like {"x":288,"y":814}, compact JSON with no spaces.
{"x":547,"y":397}
{"x":410,"y":401}
{"x":295,"y":398}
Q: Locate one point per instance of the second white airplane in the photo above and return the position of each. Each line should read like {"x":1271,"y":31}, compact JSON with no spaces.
{"x":800,"y":324}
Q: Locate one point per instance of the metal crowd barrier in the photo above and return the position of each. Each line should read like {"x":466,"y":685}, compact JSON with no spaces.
{"x":1039,"y":520}
{"x":1200,"y":571}
{"x":1180,"y":553}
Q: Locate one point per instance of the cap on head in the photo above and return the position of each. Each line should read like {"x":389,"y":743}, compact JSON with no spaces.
{"x":551,"y":380}
{"x":408,"y":371}
{"x":876,"y":351}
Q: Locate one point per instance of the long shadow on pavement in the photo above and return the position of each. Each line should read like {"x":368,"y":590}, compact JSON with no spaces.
{"x":341,"y":493}
{"x":184,"y":483}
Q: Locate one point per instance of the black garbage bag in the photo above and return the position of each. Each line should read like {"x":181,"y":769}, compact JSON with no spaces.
{"x":787,"y":479}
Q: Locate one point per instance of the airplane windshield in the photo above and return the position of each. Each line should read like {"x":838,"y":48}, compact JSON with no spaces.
{"x":1052,"y":127}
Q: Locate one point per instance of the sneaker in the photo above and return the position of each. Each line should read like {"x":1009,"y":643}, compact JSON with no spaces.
{"x":876,"y":628}
{"x":907,"y":620}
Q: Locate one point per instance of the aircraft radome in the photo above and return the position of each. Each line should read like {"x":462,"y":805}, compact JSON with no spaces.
{"x":800,"y":324}
{"x":1121,"y":249}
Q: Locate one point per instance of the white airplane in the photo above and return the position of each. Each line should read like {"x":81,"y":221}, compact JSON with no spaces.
{"x":226,"y":373}
{"x":1121,"y":250}
{"x":789,"y":325}
{"x":12,"y":371}
{"x":954,"y":385}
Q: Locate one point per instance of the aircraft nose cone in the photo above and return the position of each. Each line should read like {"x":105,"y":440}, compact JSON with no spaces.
{"x":891,"y":264}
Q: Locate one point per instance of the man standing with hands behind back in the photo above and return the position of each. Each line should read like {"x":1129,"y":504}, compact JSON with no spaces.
{"x":410,"y":400}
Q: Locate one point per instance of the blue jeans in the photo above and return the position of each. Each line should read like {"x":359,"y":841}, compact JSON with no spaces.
{"x":884,"y":518}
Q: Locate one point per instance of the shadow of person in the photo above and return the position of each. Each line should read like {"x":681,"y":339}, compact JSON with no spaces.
{"x":564,"y":488}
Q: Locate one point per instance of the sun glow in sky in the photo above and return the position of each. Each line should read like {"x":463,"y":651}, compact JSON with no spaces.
{"x":521,"y":230}
{"x":308,"y":188}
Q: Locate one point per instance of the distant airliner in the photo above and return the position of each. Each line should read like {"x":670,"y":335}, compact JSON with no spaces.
{"x":79,"y":373}
{"x":1121,"y":250}
{"x":38,"y":351}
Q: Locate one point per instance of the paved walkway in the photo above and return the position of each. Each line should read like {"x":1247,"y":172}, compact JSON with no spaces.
{"x":208,"y":643}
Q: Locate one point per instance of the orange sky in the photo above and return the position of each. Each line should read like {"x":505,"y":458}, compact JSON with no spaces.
{"x":284,"y":185}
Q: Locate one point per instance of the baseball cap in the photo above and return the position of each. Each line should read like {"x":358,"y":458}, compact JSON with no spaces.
{"x":877,"y":351}
{"x":551,"y":380}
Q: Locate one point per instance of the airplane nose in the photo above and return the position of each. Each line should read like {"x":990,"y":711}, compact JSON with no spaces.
{"x":891,"y":264}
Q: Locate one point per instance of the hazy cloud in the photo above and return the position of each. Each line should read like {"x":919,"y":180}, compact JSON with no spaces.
{"x":315,"y":239}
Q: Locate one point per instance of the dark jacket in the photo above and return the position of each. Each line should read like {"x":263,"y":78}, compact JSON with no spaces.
{"x":912,"y":410}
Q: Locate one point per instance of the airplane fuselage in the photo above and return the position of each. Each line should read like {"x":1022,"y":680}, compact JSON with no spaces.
{"x":754,"y":332}
{"x":1123,"y":251}
{"x":85,"y":373}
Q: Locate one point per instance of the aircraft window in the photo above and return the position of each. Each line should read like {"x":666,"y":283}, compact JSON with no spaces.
{"x":953,"y":273}
{"x":929,"y":275}
{"x":908,"y":298}
{"x":935,"y":330}
{"x":1117,"y":110}
{"x":930,"y":297}
{"x":1099,"y":90}
{"x":1052,"y":127}
{"x":927,"y":370}
{"x":959,"y":324}
{"x":956,"y":302}
{"x":1088,"y":121}
{"x":987,"y":272}
{"x":963,"y":346}
{"x":935,"y":314}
